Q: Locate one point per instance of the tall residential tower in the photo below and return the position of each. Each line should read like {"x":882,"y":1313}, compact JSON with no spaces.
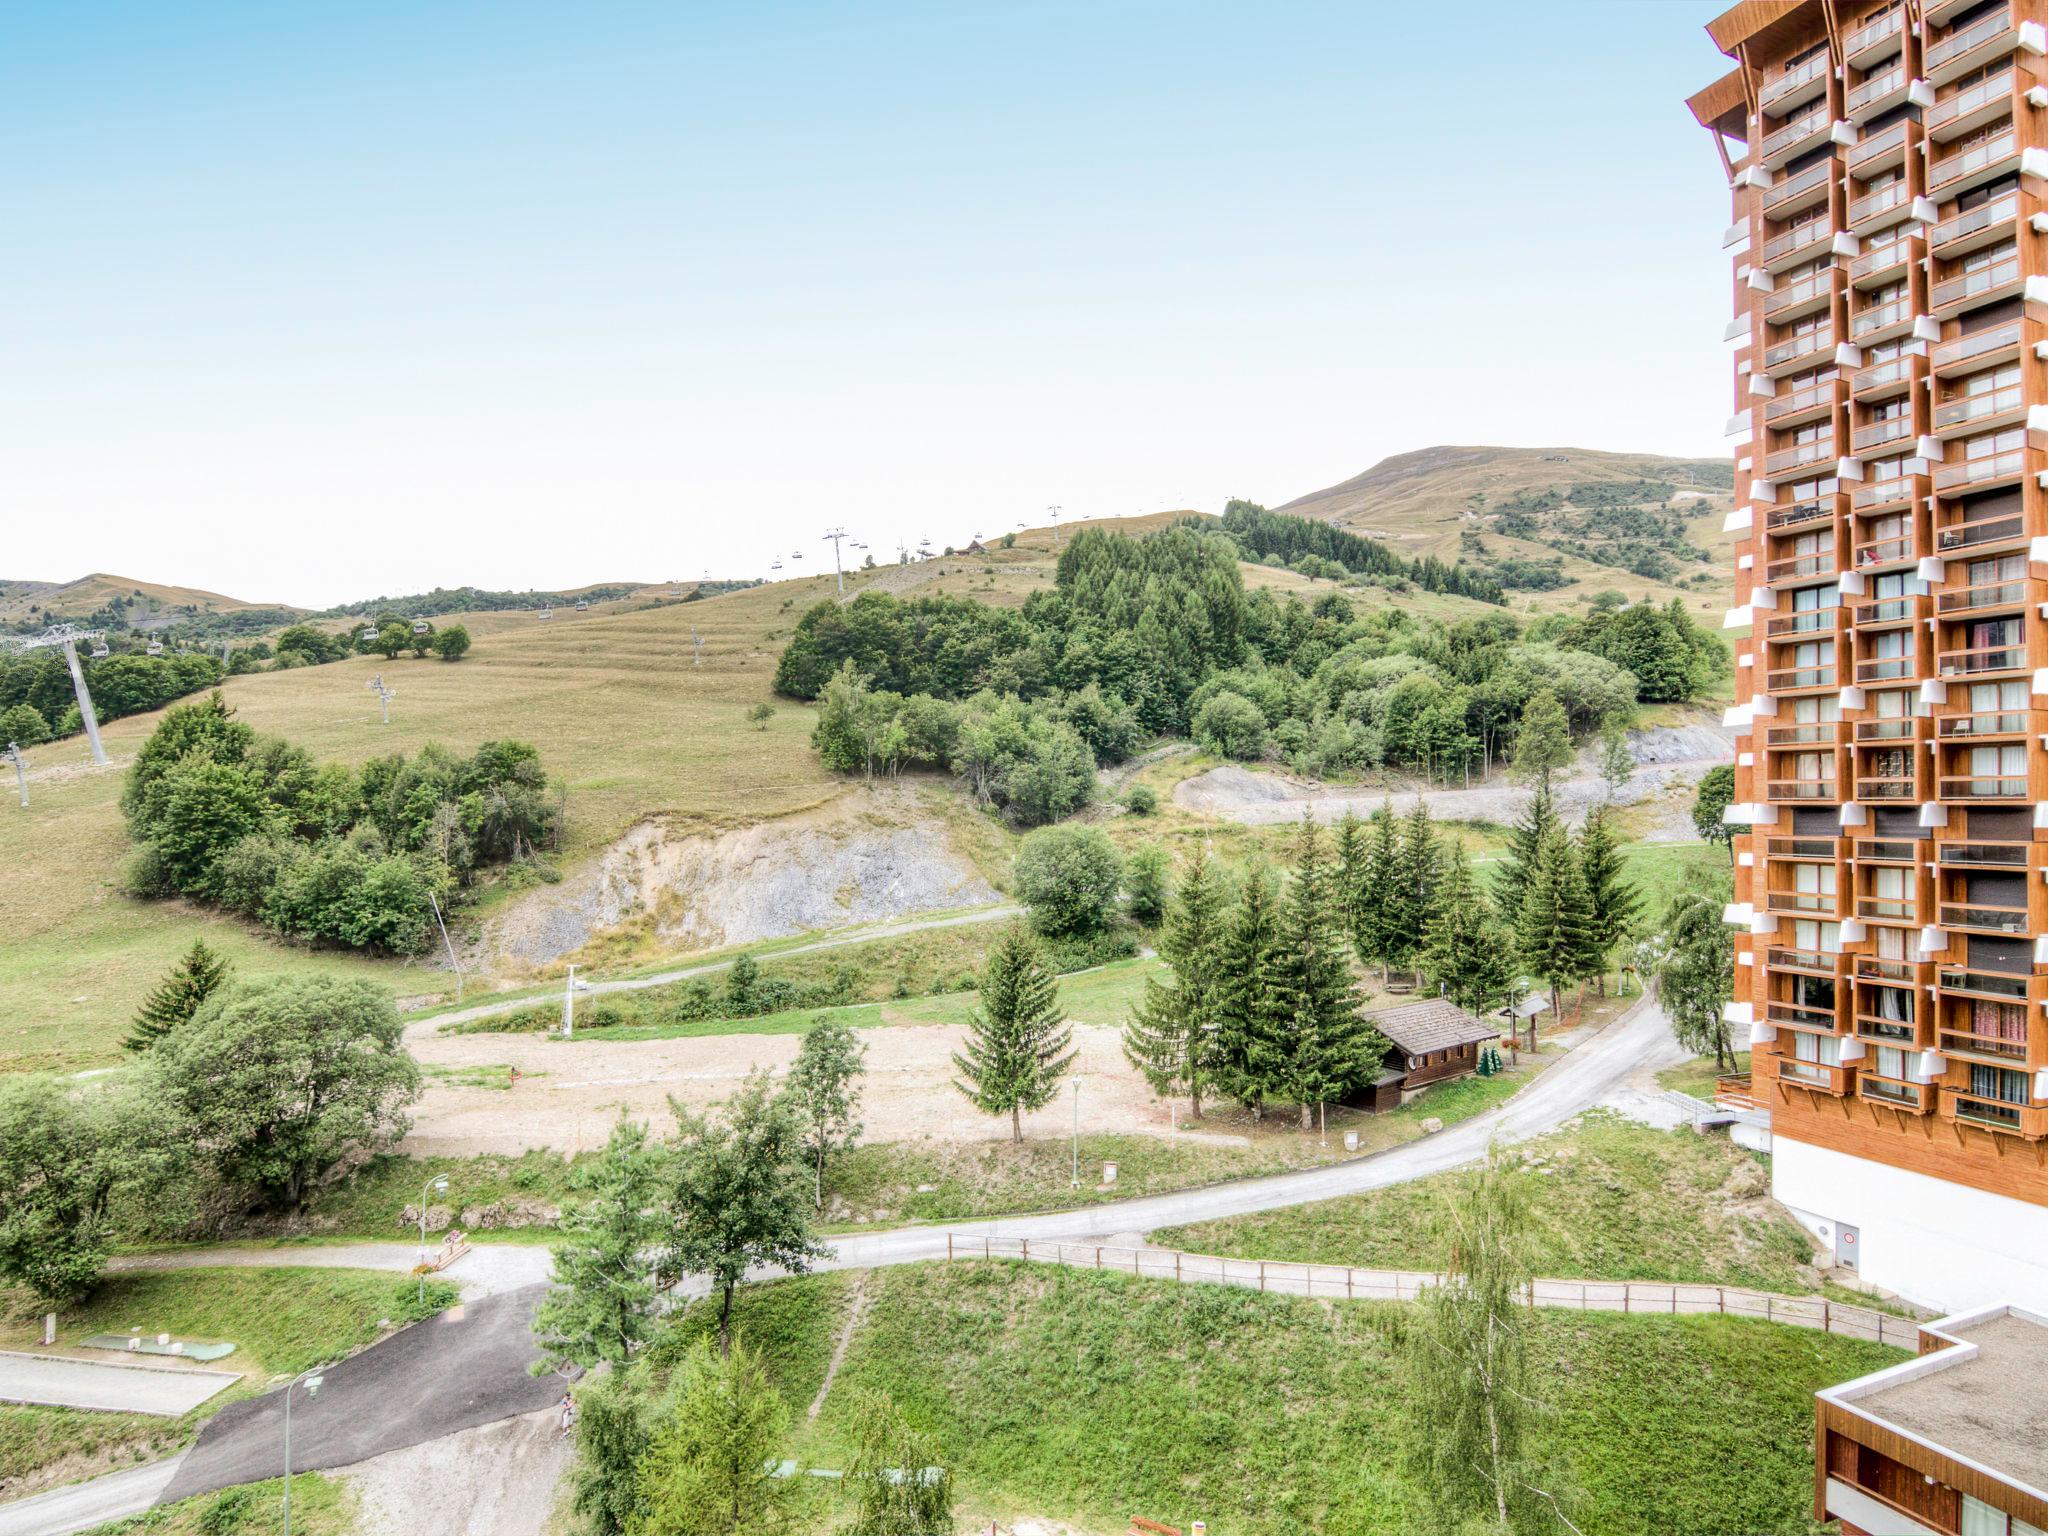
{"x":1888,"y":165}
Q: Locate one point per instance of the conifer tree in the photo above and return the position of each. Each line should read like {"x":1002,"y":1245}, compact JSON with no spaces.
{"x":1245,"y":1045}
{"x":1418,"y":871}
{"x":195,"y":978}
{"x":1470,"y":955}
{"x":1377,"y":918}
{"x":1323,"y":1047}
{"x":1019,"y":1044}
{"x":1543,"y":741}
{"x":1555,"y":923}
{"x":1525,"y":842}
{"x":1613,"y":899}
{"x":605,"y":1301}
{"x":1171,"y":1034}
{"x":1617,"y":766}
{"x":1350,"y":872}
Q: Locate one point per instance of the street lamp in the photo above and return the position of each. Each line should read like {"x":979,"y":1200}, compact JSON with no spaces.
{"x":434,"y":1186}
{"x":311,"y":1381}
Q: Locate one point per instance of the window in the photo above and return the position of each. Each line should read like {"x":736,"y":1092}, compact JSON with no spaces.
{"x":1823,"y":1050}
{"x":1980,"y":1519}
{"x":1999,"y":1083}
{"x":1890,"y":1062}
{"x":1814,"y":879}
{"x":1988,"y":698}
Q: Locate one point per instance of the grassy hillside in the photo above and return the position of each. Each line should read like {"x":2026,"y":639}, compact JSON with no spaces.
{"x":151,"y":605}
{"x":1426,"y":502}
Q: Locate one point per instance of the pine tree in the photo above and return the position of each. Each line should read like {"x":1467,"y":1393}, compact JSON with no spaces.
{"x":1613,"y":899}
{"x":1617,"y":766}
{"x":1245,"y":1046}
{"x":1555,"y":923}
{"x":1171,"y":1034}
{"x":1323,"y":1047}
{"x":1525,"y":843}
{"x":1470,"y":955}
{"x":1019,"y":1044}
{"x":1377,"y":919}
{"x":1418,"y":872}
{"x":1543,"y":741}
{"x":178,"y":996}
{"x":1350,"y":872}
{"x":604,"y":1302}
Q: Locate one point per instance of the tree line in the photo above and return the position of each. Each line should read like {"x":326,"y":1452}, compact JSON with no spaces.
{"x":319,"y":851}
{"x":1326,"y":550}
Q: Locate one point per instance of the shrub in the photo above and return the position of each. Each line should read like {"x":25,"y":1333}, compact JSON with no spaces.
{"x":1231,"y":725}
{"x":1141,"y":800}
{"x":1068,"y":876}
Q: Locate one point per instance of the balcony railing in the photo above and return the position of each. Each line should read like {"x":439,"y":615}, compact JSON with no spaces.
{"x":1967,"y":1042}
{"x":1985,"y":787}
{"x":1809,"y":621}
{"x":1884,"y":551}
{"x":1800,"y":454}
{"x":1886,"y":610}
{"x":1979,"y":280}
{"x":1811,"y":397}
{"x":1800,"y":677}
{"x":1991,"y":722}
{"x":1873,"y":34}
{"x":1956,"y":44}
{"x":1963,"y":349}
{"x":1988,"y":152}
{"x":1991,"y":466}
{"x":2000,"y":210}
{"x":1897,"y":728}
{"x":1985,"y":919}
{"x":1817,"y":1075}
{"x":1825,"y":902}
{"x":1876,"y":88}
{"x":1796,"y":239}
{"x":1893,"y":248}
{"x":1866,"y":323}
{"x":1990,"y":530}
{"x":1791,"y":81}
{"x":1797,"y":128}
{"x":1799,"y":1016}
{"x":1888,"y":908}
{"x":1879,"y":493}
{"x":1868,"y":788}
{"x":2027,"y":1120}
{"x":1913,"y":1098}
{"x":1890,"y":430}
{"x":1885,"y":668}
{"x":1821,"y":339}
{"x":1995,"y":984}
{"x":1811,"y":962}
{"x":1995,"y":87}
{"x":1814,"y":285}
{"x":1984,"y":855}
{"x":1997,"y":658}
{"x":1802,"y":848}
{"x":1798,"y":514}
{"x":1986,"y":403}
{"x":1882,"y":850}
{"x":1886,"y":375}
{"x":1866,"y":151}
{"x":1802,"y":789}
{"x":1813,"y":179}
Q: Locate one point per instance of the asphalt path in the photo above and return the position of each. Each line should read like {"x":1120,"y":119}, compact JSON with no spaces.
{"x":84,"y":1506}
{"x":110,"y":1386}
{"x":471,"y":1368}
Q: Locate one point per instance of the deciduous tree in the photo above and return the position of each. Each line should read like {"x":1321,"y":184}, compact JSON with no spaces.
{"x":823,"y":1087}
{"x":1697,"y":976}
{"x":1068,"y":876}
{"x":1710,"y":803}
{"x":1543,"y":743}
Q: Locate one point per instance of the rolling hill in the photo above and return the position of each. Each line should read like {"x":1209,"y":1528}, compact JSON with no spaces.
{"x":1634,"y":522}
{"x":149,"y":605}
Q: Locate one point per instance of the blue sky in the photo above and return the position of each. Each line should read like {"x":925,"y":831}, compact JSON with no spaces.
{"x":310,"y":303}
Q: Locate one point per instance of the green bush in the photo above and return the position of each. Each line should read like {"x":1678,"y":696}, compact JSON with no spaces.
{"x":1231,"y":725}
{"x":1141,"y":800}
{"x":1068,"y":876}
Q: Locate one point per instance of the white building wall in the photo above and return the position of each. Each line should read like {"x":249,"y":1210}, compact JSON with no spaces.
{"x":1943,"y":1245}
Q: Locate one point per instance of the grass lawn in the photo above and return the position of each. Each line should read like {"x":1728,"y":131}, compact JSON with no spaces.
{"x":1661,"y":870}
{"x":281,"y":1322}
{"x":1696,"y":1077}
{"x":1612,"y":1200}
{"x":320,"y":1507}
{"x":1095,"y":1397}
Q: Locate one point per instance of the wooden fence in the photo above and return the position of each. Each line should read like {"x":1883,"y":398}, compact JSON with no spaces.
{"x":1339,"y":1282}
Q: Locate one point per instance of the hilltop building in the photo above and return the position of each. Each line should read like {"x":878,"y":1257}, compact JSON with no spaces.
{"x":1888,"y":168}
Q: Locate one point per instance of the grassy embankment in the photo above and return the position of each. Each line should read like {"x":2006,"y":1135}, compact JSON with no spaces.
{"x":281,"y":1321}
{"x":1095,"y":1397}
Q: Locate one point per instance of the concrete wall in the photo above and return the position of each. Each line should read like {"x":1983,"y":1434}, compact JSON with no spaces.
{"x":1939,"y":1244}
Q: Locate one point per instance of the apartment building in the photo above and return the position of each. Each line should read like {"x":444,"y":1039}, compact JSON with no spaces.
{"x":1888,"y":167}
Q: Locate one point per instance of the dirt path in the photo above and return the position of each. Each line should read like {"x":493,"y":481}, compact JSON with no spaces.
{"x":856,"y":1310}
{"x":499,"y":1478}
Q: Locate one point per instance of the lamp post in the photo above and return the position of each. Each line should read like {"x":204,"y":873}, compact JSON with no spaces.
{"x":437,"y":1186}
{"x":311,"y":1381}
{"x":20,"y":771}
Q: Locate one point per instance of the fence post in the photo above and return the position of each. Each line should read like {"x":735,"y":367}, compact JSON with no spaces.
{"x":1098,"y":1255}
{"x":1027,"y":1247}
{"x":1827,"y":1316}
{"x":1262,"y":1277}
{"x":1767,"y":1308}
{"x":949,"y":1247}
{"x":1350,"y":1290}
{"x":1136,"y":1255}
{"x":1626,"y":1295}
{"x":1721,"y":1299}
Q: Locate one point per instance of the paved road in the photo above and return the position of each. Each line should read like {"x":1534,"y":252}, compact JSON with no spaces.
{"x":486,"y":1270}
{"x":463,"y":1368}
{"x":110,"y":1386}
{"x":83,"y":1506}
{"x":379,"y":1400}
{"x":428,"y":1026}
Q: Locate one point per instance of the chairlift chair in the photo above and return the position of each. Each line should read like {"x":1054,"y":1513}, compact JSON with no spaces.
{"x":582,"y":604}
{"x":421,"y":626}
{"x":155,"y":648}
{"x":100,"y":651}
{"x":775,"y":565}
{"x":547,"y":613}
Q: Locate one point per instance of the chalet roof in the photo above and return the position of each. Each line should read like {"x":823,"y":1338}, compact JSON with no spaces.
{"x":1722,"y":106}
{"x":1760,"y":21}
{"x":1433,"y":1025}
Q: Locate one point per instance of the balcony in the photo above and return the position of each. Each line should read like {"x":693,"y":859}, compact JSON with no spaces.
{"x":1811,"y":292}
{"x":1895,"y":1093}
{"x":1991,"y":281}
{"x":1878,"y":94}
{"x":1806,"y":962}
{"x":1805,"y":791}
{"x":1800,"y":679}
{"x":1883,"y":850}
{"x":1889,"y":550}
{"x":1985,"y":531}
{"x":1974,"y":106}
{"x":1967,"y":354}
{"x":1989,"y":597}
{"x":1883,"y":261}
{"x":1875,"y":38}
{"x":1888,"y":909}
{"x":1795,"y":86}
{"x":1996,"y":857}
{"x":1800,"y":566}
{"x":1971,"y":47}
{"x":1963,"y":414}
{"x":1799,"y":1016}
{"x":1885,"y":613}
{"x":1878,"y":152}
{"x":2000,"y":986}
{"x":1881,"y":322}
{"x":1983,"y":161}
{"x":1985,"y":787}
{"x":1973,"y":663}
{"x":1823,"y":849}
{"x":1809,"y":402}
{"x":1872,"y":790}
{"x":1798,"y":133}
{"x":1887,"y":205}
{"x":1977,"y":919}
{"x":1892,"y":429}
{"x":1810,"y":621}
{"x":1798,"y":515}
{"x":1894,"y":492}
{"x":1983,"y":225}
{"x":1989,"y":726}
{"x":2025,"y":1120}
{"x":1785,"y":461}
{"x":1880,"y":380}
{"x":1973,"y":474}
{"x":1802,"y":242}
{"x":1887,"y":669}
{"x":1803,"y":903}
{"x":1816,"y":1075}
{"x":2001,"y":1049}
{"x":1808,"y":349}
